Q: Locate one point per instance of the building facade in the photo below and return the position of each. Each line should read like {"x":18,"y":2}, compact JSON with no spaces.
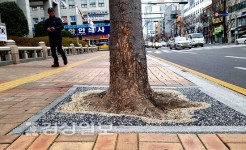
{"x":192,"y":15}
{"x":236,"y":19}
{"x":207,"y":19}
{"x":70,"y":12}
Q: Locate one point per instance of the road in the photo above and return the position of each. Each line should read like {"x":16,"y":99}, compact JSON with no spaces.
{"x":224,"y":62}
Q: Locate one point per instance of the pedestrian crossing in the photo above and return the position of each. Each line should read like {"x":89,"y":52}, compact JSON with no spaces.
{"x":191,"y":51}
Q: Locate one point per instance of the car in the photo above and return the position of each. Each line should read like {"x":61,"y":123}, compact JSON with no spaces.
{"x":102,"y":46}
{"x":168,"y":43}
{"x":196,"y":39}
{"x":148,"y":44}
{"x":180,"y":43}
{"x":164,"y":44}
{"x":157,"y":45}
{"x":241,"y":40}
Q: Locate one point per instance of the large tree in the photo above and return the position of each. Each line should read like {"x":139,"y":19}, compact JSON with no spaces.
{"x":129,"y":91}
{"x":14,"y":18}
{"x":129,"y":86}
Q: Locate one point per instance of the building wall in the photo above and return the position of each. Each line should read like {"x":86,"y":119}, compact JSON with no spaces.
{"x":192,"y":12}
{"x":41,"y":11}
{"x":169,"y":22}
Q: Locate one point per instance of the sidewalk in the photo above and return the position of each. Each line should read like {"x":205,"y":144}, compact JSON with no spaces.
{"x":28,"y":87}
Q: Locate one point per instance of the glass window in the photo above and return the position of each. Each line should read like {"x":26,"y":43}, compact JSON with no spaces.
{"x":72,"y":18}
{"x":71,"y":3}
{"x":43,"y":18}
{"x":64,"y":19}
{"x":100,"y":3}
{"x":35,"y":20}
{"x":92,"y":3}
{"x":34,"y":8}
{"x":148,"y":9}
{"x":83,"y":3}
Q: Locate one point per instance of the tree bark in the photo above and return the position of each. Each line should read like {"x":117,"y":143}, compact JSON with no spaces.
{"x":129,"y":86}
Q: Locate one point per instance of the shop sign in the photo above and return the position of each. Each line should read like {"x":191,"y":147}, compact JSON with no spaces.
{"x":3,"y":32}
{"x":85,"y":30}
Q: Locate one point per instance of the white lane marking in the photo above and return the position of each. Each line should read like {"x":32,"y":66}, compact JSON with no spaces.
{"x":214,"y":47}
{"x":149,"y":51}
{"x":241,"y":68}
{"x":183,"y":52}
{"x":236,"y":57}
{"x":157,"y":52}
{"x":166,"y":51}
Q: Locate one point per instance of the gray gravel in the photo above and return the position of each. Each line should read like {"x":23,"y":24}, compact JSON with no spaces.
{"x":217,"y":115}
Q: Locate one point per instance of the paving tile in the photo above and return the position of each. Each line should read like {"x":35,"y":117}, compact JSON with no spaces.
{"x":23,"y":142}
{"x":76,"y":138}
{"x":5,"y":128}
{"x":105,"y":142}
{"x":43,"y":142}
{"x":12,"y":120}
{"x":7,"y":139}
{"x":191,"y":142}
{"x":212,"y":142}
{"x":159,"y":146}
{"x":3,"y":146}
{"x":20,"y":104}
{"x":237,"y":146}
{"x":233,"y":138}
{"x":72,"y":146}
{"x":34,"y":110}
{"x":16,"y":116}
{"x":127,"y":142}
{"x":168,"y":138}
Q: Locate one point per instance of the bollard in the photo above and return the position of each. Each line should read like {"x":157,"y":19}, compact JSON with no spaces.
{"x":14,"y":51}
{"x":80,"y":51}
{"x":73,"y":48}
{"x":44,"y":49}
{"x":9,"y":56}
{"x":25,"y":55}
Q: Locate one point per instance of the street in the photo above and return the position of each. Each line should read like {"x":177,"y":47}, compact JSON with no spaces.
{"x":224,"y":62}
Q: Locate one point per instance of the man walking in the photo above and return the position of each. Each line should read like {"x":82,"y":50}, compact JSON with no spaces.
{"x":53,"y":25}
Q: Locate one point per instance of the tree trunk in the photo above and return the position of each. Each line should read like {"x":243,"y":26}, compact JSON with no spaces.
{"x":129,"y":86}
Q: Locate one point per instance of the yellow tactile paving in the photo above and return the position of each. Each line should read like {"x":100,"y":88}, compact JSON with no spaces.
{"x":24,"y":80}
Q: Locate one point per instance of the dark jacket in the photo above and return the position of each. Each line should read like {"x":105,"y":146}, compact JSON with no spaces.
{"x":54,"y":36}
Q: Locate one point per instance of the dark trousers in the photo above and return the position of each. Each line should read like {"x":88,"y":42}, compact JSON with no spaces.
{"x":57,"y":46}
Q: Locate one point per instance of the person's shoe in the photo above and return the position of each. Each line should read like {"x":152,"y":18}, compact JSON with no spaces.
{"x":65,"y":61}
{"x":55,"y":65}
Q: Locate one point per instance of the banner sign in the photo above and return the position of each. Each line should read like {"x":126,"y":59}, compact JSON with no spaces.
{"x":85,"y":30}
{"x":3,"y":32}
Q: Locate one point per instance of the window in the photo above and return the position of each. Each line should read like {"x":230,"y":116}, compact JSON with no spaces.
{"x":92,"y":3}
{"x":34,"y":8}
{"x":148,"y":9}
{"x":72,"y":18}
{"x":83,"y":3}
{"x":41,"y":8}
{"x":64,"y":19}
{"x":35,"y":20}
{"x":100,"y":3}
{"x":63,"y":6}
{"x":43,"y":18}
{"x":71,"y":3}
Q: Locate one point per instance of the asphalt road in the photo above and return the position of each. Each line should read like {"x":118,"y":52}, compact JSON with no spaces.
{"x":224,"y":62}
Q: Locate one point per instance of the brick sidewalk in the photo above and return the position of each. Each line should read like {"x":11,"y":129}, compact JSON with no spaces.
{"x":26,"y":99}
